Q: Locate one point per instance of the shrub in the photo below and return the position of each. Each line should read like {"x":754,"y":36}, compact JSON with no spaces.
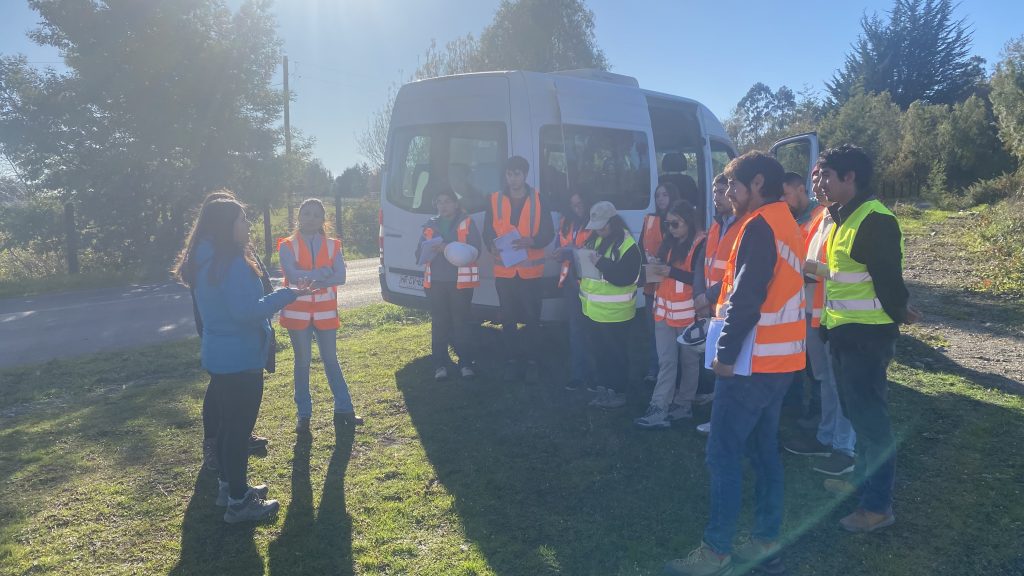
{"x":1010,"y":185}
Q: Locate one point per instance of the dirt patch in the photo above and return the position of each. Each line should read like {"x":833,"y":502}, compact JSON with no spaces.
{"x":980,"y":334}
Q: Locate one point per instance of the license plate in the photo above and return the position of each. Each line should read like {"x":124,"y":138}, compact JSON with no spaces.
{"x":410,"y":282}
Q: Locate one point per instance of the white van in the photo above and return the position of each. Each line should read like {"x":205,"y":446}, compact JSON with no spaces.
{"x":582,"y":129}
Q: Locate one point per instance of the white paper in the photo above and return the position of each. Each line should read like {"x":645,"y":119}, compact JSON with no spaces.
{"x":427,"y":252}
{"x":742,"y":367}
{"x":584,"y":267}
{"x":510,"y":255}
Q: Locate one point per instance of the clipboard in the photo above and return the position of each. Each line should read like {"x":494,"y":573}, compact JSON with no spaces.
{"x":510,"y":255}
{"x":584,"y":267}
{"x":743,"y":361}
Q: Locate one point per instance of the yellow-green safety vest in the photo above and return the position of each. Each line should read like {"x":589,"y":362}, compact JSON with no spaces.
{"x":604,"y":301}
{"x":850,"y":296}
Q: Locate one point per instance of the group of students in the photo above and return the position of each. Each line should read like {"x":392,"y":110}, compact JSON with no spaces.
{"x":777,"y":280}
{"x":233,"y":301}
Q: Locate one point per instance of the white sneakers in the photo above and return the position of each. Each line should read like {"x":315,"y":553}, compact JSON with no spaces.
{"x":704,"y":428}
{"x":654,"y":419}
{"x":441,"y":373}
{"x":250,"y":508}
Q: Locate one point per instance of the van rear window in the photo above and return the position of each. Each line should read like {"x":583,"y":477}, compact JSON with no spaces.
{"x":467,"y":157}
{"x":603,"y":163}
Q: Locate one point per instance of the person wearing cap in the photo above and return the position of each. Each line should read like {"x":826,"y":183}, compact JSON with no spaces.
{"x":449,"y":287}
{"x":760,"y":311}
{"x":572,"y":235}
{"x":609,"y":302}
{"x":835,"y":439}
{"x":682,"y":250}
{"x":518,"y":209}
{"x":865,"y":301}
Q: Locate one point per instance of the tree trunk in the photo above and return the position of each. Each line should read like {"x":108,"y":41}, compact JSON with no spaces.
{"x":337,"y":216}
{"x":70,"y":237}
{"x":268,"y":241}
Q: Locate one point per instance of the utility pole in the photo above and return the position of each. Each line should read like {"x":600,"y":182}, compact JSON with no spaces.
{"x":288,"y":145}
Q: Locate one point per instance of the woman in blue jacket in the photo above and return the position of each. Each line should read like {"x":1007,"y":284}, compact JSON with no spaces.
{"x":218,"y":264}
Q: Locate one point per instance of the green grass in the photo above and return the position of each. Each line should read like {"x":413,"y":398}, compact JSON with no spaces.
{"x":915,"y":221}
{"x":21,"y":287}
{"x":997,"y":240}
{"x":99,"y":474}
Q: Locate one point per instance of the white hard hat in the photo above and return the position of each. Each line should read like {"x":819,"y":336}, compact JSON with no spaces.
{"x":460,"y":254}
{"x":694,"y":334}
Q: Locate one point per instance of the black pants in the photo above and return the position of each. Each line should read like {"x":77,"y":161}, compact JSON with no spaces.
{"x":520,"y":300}
{"x":449,"y":323}
{"x":609,"y":342}
{"x":238,"y":398}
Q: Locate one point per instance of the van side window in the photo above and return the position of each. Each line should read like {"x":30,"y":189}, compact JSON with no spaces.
{"x":466,"y":157}
{"x":604,"y":163}
{"x":721,"y":154}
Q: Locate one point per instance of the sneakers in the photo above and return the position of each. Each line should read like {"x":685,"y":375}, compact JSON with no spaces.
{"x":441,"y":373}
{"x":703,"y":399}
{"x":752,"y":553}
{"x":224,"y":492}
{"x":866,"y":521}
{"x":840,"y":487}
{"x":600,"y":395}
{"x":302,"y":425}
{"x":805,"y":446}
{"x":654,"y":419}
{"x":257,"y":443}
{"x":250,"y":508}
{"x":679,"y":412}
{"x":836,"y":464}
{"x":609,"y":399}
{"x":704,"y":428}
{"x":210,"y":460}
{"x":348,"y":418}
{"x":701,"y":562}
{"x":467,"y":372}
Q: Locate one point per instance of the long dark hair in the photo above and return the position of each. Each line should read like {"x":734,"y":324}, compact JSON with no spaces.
{"x":679,"y":248}
{"x":216,"y":224}
{"x":570,"y":215}
{"x":325,"y":228}
{"x":674,"y":195}
{"x":617,"y":231}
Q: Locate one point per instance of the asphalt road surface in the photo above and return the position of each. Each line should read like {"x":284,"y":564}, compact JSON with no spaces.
{"x":50,"y":326}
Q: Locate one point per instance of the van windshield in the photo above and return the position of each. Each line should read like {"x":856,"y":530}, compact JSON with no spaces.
{"x":605,"y":163}
{"x":466,"y":157}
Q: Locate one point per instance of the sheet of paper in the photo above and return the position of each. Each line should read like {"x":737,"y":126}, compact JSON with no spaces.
{"x":510,"y":255}
{"x":743,"y":361}
{"x":584,"y":267}
{"x":427,"y":251}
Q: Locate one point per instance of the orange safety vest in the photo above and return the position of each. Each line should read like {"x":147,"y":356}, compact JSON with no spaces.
{"x":320,"y":307}
{"x":529,"y":225}
{"x":651,"y":237}
{"x":673,"y":302}
{"x":780,"y":340}
{"x":817,"y":249}
{"x":575,"y":237}
{"x":807,"y":227}
{"x":717,"y":250}
{"x":466,"y":276}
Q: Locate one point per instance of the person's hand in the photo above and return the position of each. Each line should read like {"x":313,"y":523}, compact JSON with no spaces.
{"x":659,"y":270}
{"x":811,"y":267}
{"x":494,"y":252}
{"x":524,"y":242}
{"x":703,"y":308}
{"x":594,"y":257}
{"x":303,"y":287}
{"x":913,"y":315}
{"x":723,"y":370}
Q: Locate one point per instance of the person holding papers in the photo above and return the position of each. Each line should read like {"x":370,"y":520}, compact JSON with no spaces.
{"x":517,"y":227}
{"x":449,"y":287}
{"x":760,"y":312}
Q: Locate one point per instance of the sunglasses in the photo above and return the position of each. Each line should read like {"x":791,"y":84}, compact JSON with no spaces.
{"x":673,"y":224}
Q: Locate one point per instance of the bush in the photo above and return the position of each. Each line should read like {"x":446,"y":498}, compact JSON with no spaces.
{"x":993,"y":190}
{"x":1000,"y":232}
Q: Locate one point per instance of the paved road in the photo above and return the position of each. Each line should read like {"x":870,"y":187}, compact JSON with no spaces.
{"x":52,"y":326}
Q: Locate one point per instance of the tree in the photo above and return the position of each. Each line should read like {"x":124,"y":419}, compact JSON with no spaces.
{"x":539,"y":35}
{"x":1008,"y":97}
{"x":920,"y":53}
{"x":352,"y":183}
{"x":764,"y":116}
{"x":868,"y":120}
{"x":162,"y":101}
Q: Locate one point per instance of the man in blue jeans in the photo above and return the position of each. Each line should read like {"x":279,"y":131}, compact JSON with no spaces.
{"x":762,"y":345}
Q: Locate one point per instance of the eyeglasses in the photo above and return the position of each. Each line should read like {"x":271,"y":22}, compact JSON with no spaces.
{"x":673,"y":224}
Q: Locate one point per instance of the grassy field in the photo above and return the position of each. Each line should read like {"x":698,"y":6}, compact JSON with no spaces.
{"x":100,"y":474}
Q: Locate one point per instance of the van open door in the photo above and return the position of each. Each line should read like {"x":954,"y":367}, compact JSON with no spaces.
{"x":798,"y":154}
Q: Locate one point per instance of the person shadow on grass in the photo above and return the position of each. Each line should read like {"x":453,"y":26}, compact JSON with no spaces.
{"x":208,"y":544}
{"x":320,"y":541}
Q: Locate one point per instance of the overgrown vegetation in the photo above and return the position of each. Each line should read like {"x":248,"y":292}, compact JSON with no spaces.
{"x":100,"y":474}
{"x":998,"y":239}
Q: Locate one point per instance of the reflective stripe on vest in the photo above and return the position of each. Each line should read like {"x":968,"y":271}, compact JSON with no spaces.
{"x":673,"y":302}
{"x":529,"y":226}
{"x":465,"y":276}
{"x":574,"y":237}
{"x":780,"y":339}
{"x":321,"y":307}
{"x":850,"y":296}
{"x":603,"y":301}
{"x":718,"y":249}
{"x":817,"y":250}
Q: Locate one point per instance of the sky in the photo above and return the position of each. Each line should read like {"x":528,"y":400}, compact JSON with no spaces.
{"x":345,"y":54}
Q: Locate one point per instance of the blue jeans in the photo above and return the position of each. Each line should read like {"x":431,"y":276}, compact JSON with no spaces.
{"x":327,"y":342}
{"x":581,"y":367}
{"x":835,"y":429}
{"x":861,"y":366}
{"x":745,"y":419}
